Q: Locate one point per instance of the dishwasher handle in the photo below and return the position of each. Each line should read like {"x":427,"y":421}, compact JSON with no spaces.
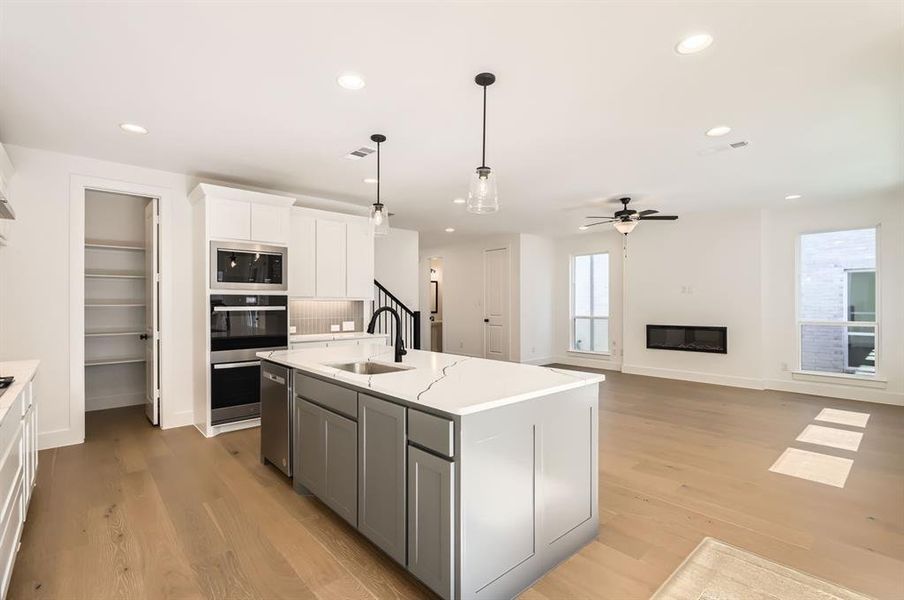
{"x":276,"y":378}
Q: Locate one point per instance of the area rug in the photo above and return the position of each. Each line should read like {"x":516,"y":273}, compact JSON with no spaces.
{"x":717,"y":571}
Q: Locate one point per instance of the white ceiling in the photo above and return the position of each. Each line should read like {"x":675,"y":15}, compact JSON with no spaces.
{"x":591,"y":100}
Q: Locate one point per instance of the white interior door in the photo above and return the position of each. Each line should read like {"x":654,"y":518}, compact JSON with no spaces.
{"x":151,"y":326}
{"x":496,"y":304}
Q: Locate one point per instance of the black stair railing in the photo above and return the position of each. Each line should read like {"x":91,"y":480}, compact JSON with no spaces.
{"x":411,"y":319}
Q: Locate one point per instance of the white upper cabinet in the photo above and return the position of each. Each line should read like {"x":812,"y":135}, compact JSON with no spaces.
{"x":270,"y":223}
{"x":330,"y":259}
{"x":302,"y":255}
{"x":229,"y":219}
{"x":360,"y":260}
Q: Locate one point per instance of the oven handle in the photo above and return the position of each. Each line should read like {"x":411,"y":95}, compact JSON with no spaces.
{"x":247,"y":308}
{"x":238,"y":365}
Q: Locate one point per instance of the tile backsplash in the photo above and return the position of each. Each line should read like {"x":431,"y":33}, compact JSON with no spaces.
{"x":316,"y":316}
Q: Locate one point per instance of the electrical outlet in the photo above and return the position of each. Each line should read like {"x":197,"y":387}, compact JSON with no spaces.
{"x":292,"y":329}
{"x":348,"y":325}
{"x":334,"y":328}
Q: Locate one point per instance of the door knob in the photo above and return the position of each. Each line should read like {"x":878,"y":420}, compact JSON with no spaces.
{"x":143,"y":336}
{"x":486,"y":320}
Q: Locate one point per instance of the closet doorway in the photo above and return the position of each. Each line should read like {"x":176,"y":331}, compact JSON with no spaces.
{"x":121,"y":302}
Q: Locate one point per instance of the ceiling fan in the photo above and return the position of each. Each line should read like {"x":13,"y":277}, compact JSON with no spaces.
{"x":626,"y":219}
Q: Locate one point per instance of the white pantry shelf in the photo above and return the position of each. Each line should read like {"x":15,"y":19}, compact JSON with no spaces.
{"x":98,"y":362}
{"x":113,"y":274}
{"x":112,"y":332}
{"x":92,"y":303}
{"x":114,"y":245}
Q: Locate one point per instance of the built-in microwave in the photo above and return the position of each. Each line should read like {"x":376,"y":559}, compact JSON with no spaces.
{"x":242,"y":266}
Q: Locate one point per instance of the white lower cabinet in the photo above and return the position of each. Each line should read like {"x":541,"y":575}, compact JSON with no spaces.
{"x":18,"y":468}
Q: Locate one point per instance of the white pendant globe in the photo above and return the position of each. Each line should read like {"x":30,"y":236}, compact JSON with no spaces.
{"x":483,"y":197}
{"x":625,"y":227}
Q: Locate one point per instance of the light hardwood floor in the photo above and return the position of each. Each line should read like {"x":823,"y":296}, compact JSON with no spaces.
{"x":136,"y":512}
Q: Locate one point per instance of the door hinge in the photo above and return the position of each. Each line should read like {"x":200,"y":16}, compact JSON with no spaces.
{"x":157,"y":277}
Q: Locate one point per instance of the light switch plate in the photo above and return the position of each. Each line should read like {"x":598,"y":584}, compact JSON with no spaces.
{"x":348,"y":325}
{"x":334,"y":328}
{"x":292,"y":329}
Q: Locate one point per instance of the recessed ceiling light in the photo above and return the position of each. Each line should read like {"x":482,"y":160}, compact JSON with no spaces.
{"x":694,"y":43}
{"x":459,"y":201}
{"x":718,"y":130}
{"x":369,"y":180}
{"x":350,"y":81}
{"x":133,"y":128}
{"x":450,"y":229}
{"x":793,"y":197}
{"x":583,"y":228}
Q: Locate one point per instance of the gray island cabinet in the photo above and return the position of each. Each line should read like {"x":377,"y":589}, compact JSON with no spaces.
{"x":477,"y":476}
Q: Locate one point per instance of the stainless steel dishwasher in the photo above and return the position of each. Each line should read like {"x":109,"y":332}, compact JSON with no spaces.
{"x":276,"y":416}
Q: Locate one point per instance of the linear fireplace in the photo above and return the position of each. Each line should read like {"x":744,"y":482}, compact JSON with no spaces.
{"x":689,"y":338}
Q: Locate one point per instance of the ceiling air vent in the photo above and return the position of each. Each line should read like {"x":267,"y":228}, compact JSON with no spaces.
{"x":723,"y":148}
{"x":359,"y":153}
{"x":741,"y":144}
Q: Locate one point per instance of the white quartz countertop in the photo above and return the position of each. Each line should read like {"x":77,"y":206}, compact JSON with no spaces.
{"x":457,"y":385}
{"x":23,"y":371}
{"x":327,"y":337}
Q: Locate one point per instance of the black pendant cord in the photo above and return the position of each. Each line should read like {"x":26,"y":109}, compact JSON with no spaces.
{"x":483,"y":152}
{"x":378,"y":173}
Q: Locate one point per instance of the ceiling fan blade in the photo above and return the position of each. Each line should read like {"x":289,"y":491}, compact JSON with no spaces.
{"x":597,"y":223}
{"x":599,"y":217}
{"x":660,"y":218}
{"x":644,"y":213}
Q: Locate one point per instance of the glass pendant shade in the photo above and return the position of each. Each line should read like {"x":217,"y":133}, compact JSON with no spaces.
{"x":625,"y":227}
{"x":483,"y":197}
{"x":380,"y":219}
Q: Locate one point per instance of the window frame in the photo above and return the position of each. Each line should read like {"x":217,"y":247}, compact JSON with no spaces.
{"x":572,"y":317}
{"x":875,"y":324}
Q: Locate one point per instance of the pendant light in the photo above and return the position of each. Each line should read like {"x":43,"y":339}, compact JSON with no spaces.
{"x":379,"y":216}
{"x":483,"y":197}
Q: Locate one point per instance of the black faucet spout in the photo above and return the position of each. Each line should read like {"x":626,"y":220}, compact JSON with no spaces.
{"x":399,"y":343}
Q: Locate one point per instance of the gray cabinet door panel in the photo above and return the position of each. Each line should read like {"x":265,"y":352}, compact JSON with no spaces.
{"x":309,"y":446}
{"x":340,"y":488}
{"x":566,"y":470}
{"x":381,"y":472}
{"x":431,"y":520}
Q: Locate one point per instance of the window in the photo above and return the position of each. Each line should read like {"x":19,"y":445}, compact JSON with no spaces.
{"x":837,"y":310}
{"x":590,"y":303}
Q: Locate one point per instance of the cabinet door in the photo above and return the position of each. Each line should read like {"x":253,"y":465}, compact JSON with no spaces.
{"x":229,"y":219}
{"x":341,"y":466}
{"x":382,"y":494}
{"x":360,"y":267}
{"x":431,"y":520}
{"x":302,"y":256}
{"x":330,"y":257}
{"x":270,"y":223}
{"x":309,"y":459}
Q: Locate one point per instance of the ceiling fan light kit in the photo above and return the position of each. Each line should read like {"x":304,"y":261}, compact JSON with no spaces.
{"x":626,"y":219}
{"x":483,"y":196}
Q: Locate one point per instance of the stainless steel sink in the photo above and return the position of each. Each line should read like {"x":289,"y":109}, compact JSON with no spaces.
{"x":370,"y":368}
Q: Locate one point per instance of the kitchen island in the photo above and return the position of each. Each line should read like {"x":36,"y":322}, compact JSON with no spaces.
{"x":478,"y":476}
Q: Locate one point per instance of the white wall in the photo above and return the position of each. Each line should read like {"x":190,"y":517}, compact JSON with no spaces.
{"x":537,"y":292}
{"x":396,"y":265}
{"x":703,"y":270}
{"x":463,"y":291}
{"x":35,"y":284}
{"x":591,"y":242}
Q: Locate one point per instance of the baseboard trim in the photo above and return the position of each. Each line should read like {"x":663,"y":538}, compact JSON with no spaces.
{"x":114,"y":401}
{"x":696,"y":376}
{"x":179,"y":419}
{"x":836,"y":391}
{"x":607,"y":364}
{"x":58,"y":438}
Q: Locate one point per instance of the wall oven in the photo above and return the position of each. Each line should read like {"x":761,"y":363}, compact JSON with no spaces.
{"x":240,"y":327}
{"x":241,"y":266}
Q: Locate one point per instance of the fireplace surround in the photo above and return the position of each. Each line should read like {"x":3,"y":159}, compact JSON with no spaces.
{"x":688,"y":338}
